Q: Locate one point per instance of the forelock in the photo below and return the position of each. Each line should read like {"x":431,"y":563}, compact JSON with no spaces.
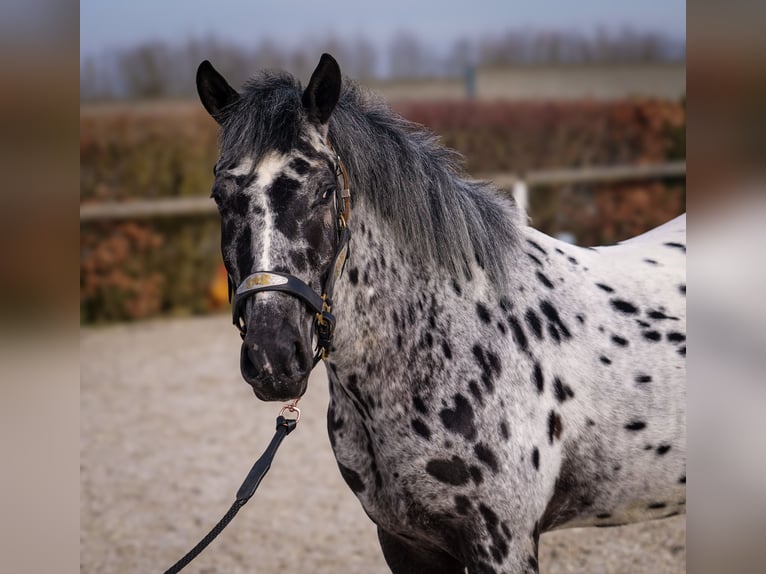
{"x":269,"y":116}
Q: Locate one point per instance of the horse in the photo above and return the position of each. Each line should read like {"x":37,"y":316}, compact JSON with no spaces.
{"x":488,"y":383}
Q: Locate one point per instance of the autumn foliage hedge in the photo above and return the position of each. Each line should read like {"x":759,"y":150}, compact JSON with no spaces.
{"x":131,"y":270}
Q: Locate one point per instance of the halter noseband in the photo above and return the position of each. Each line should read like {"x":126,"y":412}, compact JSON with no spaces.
{"x":321,"y":305}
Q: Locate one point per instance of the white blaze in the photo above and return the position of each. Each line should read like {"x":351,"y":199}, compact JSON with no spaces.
{"x":269,"y":167}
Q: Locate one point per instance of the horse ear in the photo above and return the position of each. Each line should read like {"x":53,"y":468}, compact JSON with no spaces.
{"x":323,"y":90}
{"x":214,"y":91}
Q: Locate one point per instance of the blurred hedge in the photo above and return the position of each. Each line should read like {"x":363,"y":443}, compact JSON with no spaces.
{"x":131,"y":270}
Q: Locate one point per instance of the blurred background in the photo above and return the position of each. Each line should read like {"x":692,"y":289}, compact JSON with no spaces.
{"x":568,"y":99}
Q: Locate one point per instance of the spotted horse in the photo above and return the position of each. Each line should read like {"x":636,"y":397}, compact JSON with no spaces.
{"x":488,"y":383}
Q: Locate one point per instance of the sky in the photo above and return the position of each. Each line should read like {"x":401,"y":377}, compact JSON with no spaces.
{"x":109,"y":24}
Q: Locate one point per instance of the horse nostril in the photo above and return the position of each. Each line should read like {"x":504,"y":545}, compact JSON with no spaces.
{"x":300,"y":355}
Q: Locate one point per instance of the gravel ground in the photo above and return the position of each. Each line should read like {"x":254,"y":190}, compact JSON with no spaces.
{"x":169,"y":430}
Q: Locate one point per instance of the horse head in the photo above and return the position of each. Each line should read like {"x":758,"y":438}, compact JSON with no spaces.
{"x":279,"y":191}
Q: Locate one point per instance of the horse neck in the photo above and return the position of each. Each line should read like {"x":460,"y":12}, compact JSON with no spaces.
{"x":378,"y":281}
{"x":391,"y":308}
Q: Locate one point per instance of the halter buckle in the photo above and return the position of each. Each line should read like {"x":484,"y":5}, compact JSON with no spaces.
{"x":293,"y":408}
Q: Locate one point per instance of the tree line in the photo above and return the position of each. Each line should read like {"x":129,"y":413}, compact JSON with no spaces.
{"x":163,"y":70}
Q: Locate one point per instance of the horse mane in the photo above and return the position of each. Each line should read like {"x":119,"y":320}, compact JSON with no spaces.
{"x":416,"y":185}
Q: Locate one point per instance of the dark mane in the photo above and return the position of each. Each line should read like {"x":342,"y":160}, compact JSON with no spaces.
{"x":411,"y":181}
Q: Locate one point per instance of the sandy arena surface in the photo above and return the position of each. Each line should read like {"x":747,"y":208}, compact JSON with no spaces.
{"x":169,"y":430}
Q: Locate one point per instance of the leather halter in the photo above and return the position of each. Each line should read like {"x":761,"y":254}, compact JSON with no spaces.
{"x":321,"y":305}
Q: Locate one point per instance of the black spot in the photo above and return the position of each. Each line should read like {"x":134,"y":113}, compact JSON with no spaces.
{"x":544,"y":280}
{"x":656,"y":505}
{"x":459,"y":420}
{"x":635,"y":425}
{"x":505,"y":305}
{"x":462,"y":504}
{"x":281,"y":193}
{"x":490,"y":366}
{"x":476,"y":475}
{"x":605,"y":360}
{"x":603,"y":515}
{"x":572,"y":260}
{"x":606,"y":288}
{"x":532,"y":561}
{"x":298,"y":260}
{"x":499,"y":548}
{"x":534,"y":323}
{"x":624,"y":306}
{"x":483,"y":313}
{"x":555,"y":426}
{"x":556,"y":326}
{"x":643,"y":324}
{"x":353,"y":480}
{"x":490,"y":518}
{"x":245,"y":261}
{"x":451,"y":471}
{"x":537,"y":246}
{"x":643,"y":379}
{"x":240,"y":204}
{"x":487,"y":456}
{"x":535,"y":259}
{"x":421,"y":428}
{"x":676,"y":337}
{"x":648,"y":447}
{"x":680,"y":246}
{"x":429,"y":339}
{"x":501,"y":327}
{"x":300,"y":166}
{"x":682,"y":289}
{"x":537,"y":376}
{"x":590,"y":422}
{"x":617,"y":340}
{"x":682,"y":480}
{"x":518,"y":333}
{"x":660,"y":315}
{"x":650,"y":261}
{"x":561,"y":390}
{"x":682,"y":351}
{"x":536,"y":458}
{"x":504,"y":430}
{"x":353,"y":275}
{"x":473,"y":387}
{"x":652,"y":336}
{"x":662,"y":449}
{"x":446,"y":349}
{"x":419,"y":405}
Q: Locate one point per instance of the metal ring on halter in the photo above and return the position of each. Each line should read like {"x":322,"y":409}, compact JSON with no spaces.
{"x":293,"y":409}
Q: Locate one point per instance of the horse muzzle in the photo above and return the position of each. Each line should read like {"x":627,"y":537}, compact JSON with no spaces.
{"x":276,"y":360}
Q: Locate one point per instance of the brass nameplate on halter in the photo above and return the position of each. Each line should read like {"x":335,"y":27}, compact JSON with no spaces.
{"x":263,"y":279}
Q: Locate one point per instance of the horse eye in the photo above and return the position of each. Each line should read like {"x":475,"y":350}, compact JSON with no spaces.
{"x":215,"y":194}
{"x":328,"y":191}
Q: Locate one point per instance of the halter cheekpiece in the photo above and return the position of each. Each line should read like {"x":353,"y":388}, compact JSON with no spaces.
{"x":320,"y":305}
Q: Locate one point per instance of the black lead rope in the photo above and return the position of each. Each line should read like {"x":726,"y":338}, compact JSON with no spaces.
{"x":260,"y":468}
